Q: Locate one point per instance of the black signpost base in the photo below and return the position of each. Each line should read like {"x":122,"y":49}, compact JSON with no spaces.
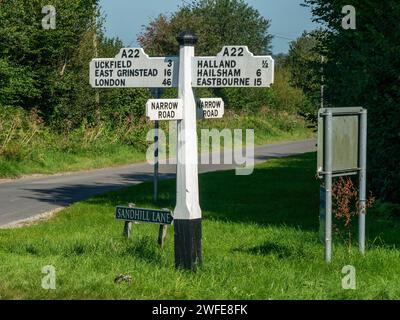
{"x":187,"y":244}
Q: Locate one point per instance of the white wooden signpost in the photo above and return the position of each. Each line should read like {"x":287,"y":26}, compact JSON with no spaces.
{"x":234,"y":66}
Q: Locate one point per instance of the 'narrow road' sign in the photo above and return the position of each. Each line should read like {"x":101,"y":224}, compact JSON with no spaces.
{"x":209,"y":108}
{"x":164,"y":109}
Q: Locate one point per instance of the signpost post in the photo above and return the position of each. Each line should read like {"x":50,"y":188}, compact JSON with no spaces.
{"x":187,"y":212}
{"x":234,"y":66}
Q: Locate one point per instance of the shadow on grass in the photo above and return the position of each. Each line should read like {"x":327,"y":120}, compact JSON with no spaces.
{"x":284,"y":192}
{"x":144,"y":249}
{"x":280,"y":192}
{"x":272,"y":248}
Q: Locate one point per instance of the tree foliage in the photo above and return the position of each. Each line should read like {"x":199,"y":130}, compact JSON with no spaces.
{"x":362,"y":69}
{"x":304,"y":63}
{"x":48,"y":70}
{"x":216,"y":22}
{"x":48,"y":62}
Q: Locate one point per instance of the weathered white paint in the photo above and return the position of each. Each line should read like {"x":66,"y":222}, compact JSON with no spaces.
{"x":133,"y":68}
{"x":234,"y":66}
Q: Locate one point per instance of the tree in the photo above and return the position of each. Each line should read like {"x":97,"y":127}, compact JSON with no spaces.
{"x":48,"y":70}
{"x":304,"y":63}
{"x":49,"y":65}
{"x":216,"y":22}
{"x":362,"y":69}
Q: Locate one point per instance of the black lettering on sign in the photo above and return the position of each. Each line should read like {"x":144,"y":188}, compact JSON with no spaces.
{"x":257,"y":82}
{"x":167,"y":82}
{"x":143,"y":215}
{"x":130,"y":53}
{"x":166,"y":114}
{"x":103,"y":73}
{"x":233,"y":52}
{"x":210,"y":113}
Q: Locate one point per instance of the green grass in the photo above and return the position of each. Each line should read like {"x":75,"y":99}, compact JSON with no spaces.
{"x":50,"y":161}
{"x":260,"y":241}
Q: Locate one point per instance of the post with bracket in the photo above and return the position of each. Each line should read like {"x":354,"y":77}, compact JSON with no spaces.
{"x":362,"y":179}
{"x":328,"y":184}
{"x":187,"y":213}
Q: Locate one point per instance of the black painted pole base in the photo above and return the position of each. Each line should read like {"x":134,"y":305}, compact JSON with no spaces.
{"x":187,"y":242}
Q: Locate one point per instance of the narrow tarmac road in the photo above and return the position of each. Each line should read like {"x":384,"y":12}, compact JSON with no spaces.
{"x":27,"y":197}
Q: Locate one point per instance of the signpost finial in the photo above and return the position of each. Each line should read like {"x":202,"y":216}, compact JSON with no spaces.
{"x":187,"y":38}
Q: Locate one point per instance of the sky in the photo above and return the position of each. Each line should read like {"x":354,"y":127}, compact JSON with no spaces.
{"x":125,"y":18}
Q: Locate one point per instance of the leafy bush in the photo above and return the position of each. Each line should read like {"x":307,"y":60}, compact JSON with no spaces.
{"x":286,"y":97}
{"x":245,"y":98}
{"x":362,"y":69}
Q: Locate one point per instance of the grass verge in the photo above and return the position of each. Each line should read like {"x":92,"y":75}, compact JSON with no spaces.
{"x":25,"y":150}
{"x":260,"y":241}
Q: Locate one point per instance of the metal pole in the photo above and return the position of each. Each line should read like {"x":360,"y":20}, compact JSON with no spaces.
{"x":362,"y":180}
{"x":322,"y":81}
{"x":156,"y":162}
{"x":187,"y":213}
{"x":162,"y":233}
{"x":328,"y":183}
{"x":157,"y":95}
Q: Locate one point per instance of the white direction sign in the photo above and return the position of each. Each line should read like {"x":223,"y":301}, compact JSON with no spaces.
{"x":210,"y":108}
{"x":234,"y":66}
{"x":164,"y":109}
{"x":133,"y":68}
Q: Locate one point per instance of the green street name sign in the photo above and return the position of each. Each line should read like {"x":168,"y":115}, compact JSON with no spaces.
{"x":143,"y":215}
